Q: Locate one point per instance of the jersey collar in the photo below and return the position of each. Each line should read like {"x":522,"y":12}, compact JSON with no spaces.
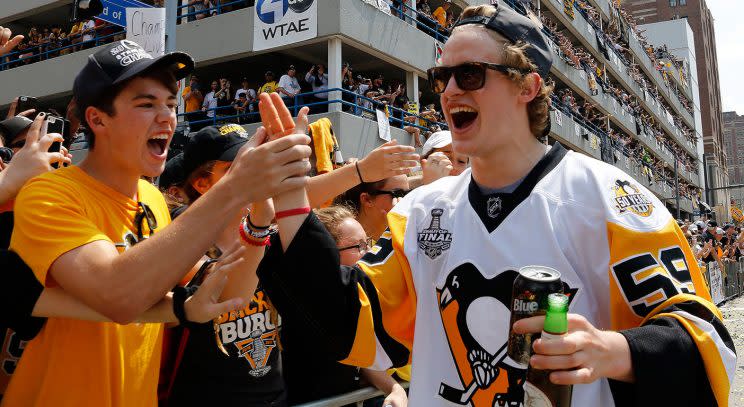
{"x":492,"y":209}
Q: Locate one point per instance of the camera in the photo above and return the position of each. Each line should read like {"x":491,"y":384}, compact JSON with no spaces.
{"x":6,"y":154}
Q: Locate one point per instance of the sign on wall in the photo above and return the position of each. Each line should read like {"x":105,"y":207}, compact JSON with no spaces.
{"x":114,"y":11}
{"x":146,"y":27}
{"x":282,"y":22}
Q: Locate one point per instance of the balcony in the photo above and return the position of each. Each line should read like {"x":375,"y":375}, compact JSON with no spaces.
{"x":585,"y":33}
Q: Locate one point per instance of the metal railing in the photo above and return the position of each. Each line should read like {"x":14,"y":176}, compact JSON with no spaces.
{"x":219,"y":8}
{"x":42,"y":52}
{"x":357,"y":397}
{"x":397,"y":116}
{"x":730,"y":286}
{"x":422,"y":21}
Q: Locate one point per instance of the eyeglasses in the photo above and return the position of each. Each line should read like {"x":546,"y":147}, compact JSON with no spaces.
{"x":395,"y":193}
{"x":145,"y":215}
{"x":363,"y":246}
{"x":468,"y":76}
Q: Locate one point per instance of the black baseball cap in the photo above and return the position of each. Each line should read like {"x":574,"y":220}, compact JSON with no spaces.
{"x":121,"y":61}
{"x":712,"y":224}
{"x":213,"y":143}
{"x":269,"y":73}
{"x":11,"y":128}
{"x":291,"y":68}
{"x":173,"y":173}
{"x":515,"y":27}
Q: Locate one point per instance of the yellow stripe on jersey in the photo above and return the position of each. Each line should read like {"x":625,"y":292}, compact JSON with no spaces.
{"x":710,"y":352}
{"x":646,"y":269}
{"x":388,"y":269}
{"x":363,"y":351}
{"x":651,"y":272}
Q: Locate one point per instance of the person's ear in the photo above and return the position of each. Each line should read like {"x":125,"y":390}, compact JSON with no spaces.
{"x":530,"y":87}
{"x":95,"y":118}
{"x":365,"y":199}
{"x":201,"y":185}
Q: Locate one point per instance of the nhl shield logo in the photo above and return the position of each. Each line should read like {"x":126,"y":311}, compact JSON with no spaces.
{"x":493,"y":206}
{"x":434,"y":240}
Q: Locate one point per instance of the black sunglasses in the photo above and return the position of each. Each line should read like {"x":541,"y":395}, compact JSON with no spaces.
{"x":468,"y":76}
{"x":396,"y":193}
{"x":144,"y":213}
{"x":363,"y":246}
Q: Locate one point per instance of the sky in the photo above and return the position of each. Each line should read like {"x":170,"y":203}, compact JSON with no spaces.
{"x":728,"y":16}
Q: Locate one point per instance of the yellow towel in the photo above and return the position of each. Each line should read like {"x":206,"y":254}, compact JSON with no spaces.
{"x":325,"y":144}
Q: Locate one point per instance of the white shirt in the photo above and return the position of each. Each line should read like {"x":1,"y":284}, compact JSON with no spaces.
{"x":310,"y":78}
{"x":210,"y":102}
{"x":289,"y":84}
{"x":249,"y":93}
{"x":88,"y":25}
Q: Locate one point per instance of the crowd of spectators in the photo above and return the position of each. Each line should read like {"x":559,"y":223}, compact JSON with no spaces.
{"x":711,"y":243}
{"x":44,"y":42}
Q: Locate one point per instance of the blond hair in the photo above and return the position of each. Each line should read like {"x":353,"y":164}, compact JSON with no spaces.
{"x":515,"y":55}
{"x":332,"y":217}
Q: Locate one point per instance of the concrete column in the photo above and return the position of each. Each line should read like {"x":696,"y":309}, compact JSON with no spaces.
{"x":334,"y":72}
{"x":412,"y":89}
{"x":171,"y":13}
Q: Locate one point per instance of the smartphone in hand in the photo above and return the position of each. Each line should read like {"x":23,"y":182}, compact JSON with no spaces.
{"x":26,"y":103}
{"x":55,"y":125}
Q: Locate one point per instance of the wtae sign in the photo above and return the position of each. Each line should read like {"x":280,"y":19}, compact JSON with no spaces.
{"x":283,"y":22}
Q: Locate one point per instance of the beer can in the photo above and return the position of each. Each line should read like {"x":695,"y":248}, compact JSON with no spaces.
{"x":530,"y":298}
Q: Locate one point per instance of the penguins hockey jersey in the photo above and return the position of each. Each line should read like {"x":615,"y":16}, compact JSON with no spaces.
{"x":437,"y":285}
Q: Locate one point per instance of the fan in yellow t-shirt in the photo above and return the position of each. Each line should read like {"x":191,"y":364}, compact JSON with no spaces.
{"x":55,"y":213}
{"x":270,"y":85}
{"x":440,"y":14}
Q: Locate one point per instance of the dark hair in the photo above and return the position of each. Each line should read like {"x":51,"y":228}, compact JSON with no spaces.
{"x":105,"y":101}
{"x":351,"y":199}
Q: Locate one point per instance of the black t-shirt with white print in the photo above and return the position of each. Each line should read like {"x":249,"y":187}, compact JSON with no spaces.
{"x":251,"y":376}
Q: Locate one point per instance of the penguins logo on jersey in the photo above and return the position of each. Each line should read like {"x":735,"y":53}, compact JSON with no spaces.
{"x":493,"y":206}
{"x":475,"y":314}
{"x":434,"y":240}
{"x":628,"y":198}
{"x":256,"y":350}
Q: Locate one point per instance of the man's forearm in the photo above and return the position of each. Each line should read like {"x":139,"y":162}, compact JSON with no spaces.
{"x":129,"y":283}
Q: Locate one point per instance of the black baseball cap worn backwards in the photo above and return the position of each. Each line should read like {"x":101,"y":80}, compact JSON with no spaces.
{"x":515,"y":27}
{"x":121,"y":61}
{"x":213,"y":143}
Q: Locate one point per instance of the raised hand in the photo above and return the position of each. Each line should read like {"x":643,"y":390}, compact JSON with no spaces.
{"x":388,"y":160}
{"x":205,"y":304}
{"x":33,"y":159}
{"x":436,"y":166}
{"x":263,"y":169}
{"x":275,"y":116}
{"x":7,"y":41}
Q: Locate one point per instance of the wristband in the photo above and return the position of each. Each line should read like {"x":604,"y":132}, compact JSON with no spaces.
{"x":180,"y":294}
{"x":254,"y":227}
{"x":245,"y":238}
{"x":249,"y":231}
{"x":359,"y":173}
{"x":292,"y":212}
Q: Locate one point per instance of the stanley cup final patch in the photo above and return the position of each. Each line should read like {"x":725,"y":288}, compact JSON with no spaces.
{"x":434,"y":240}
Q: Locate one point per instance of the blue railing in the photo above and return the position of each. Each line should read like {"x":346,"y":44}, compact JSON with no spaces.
{"x":397,"y":116}
{"x":421,"y":21}
{"x":41,"y":52}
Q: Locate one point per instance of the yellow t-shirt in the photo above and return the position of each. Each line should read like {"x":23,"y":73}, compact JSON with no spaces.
{"x":72,"y":362}
{"x":268,"y":87}
{"x":441,"y":16}
{"x":193,"y":104}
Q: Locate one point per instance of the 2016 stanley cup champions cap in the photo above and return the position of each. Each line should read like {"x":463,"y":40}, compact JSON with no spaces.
{"x":516,"y":27}
{"x":118,"y":62}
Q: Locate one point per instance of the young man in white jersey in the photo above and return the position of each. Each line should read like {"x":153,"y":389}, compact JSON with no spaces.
{"x":437,"y":286}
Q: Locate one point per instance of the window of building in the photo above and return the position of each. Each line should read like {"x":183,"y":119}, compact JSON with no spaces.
{"x":682,"y":2}
{"x":672,"y":3}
